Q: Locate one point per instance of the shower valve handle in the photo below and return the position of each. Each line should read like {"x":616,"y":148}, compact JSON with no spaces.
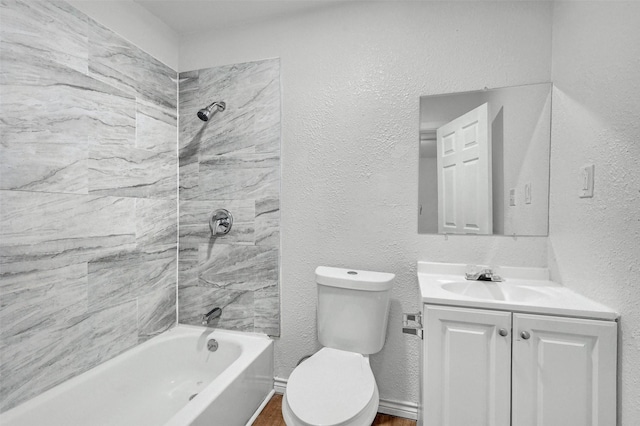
{"x":220,"y":222}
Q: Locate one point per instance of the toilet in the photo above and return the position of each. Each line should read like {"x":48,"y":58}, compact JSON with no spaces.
{"x":335,"y":386}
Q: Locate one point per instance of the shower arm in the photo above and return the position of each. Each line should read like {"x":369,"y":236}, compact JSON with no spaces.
{"x":218,"y":104}
{"x":205,"y":113}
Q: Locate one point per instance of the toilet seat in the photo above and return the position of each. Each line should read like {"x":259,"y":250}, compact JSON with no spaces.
{"x":332,"y":388}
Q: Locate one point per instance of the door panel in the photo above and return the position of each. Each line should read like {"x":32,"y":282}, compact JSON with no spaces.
{"x":467,"y":375}
{"x":464,"y":174}
{"x":564,"y":373}
{"x":449,"y":203}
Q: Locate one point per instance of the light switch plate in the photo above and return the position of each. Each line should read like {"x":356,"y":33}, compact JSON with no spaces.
{"x":527,"y":193}
{"x":586,"y":176}
{"x":512,"y":197}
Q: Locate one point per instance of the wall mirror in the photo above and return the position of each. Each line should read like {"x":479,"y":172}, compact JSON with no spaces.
{"x":484,"y":162}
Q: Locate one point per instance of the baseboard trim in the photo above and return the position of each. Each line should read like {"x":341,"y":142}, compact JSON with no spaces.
{"x":408,"y":410}
{"x":279,"y":385}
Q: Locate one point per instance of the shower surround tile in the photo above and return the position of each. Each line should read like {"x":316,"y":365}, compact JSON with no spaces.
{"x":52,"y":30}
{"x":156,"y":312}
{"x":98,"y":329}
{"x":267,"y":222}
{"x":237,"y":307}
{"x":118,"y":62}
{"x":132,"y":172}
{"x":56,"y":254}
{"x":231,"y":162}
{"x":43,"y":101}
{"x":88,"y":188}
{"x":43,"y":219}
{"x":124,"y":277}
{"x":194,"y":222}
{"x":156,"y":222}
{"x":44,"y":167}
{"x":189,"y":104}
{"x":243,"y":175}
{"x":41,"y":299}
{"x":156,"y":127}
{"x":188,"y":180}
{"x":187,"y":266}
{"x":237,"y":267}
{"x":252,"y":117}
{"x":267,"y":309}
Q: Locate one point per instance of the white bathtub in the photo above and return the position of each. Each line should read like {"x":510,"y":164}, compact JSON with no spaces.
{"x":151,"y":384}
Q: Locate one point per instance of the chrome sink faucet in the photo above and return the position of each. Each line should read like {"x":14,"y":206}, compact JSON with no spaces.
{"x":211,"y":315}
{"x":485,"y":274}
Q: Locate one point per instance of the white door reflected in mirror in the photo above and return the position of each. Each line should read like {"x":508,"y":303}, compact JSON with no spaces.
{"x":499,"y":188}
{"x":464,"y":174}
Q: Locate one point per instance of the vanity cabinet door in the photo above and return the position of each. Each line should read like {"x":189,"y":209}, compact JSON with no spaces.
{"x":564,"y":371}
{"x":467,"y":375}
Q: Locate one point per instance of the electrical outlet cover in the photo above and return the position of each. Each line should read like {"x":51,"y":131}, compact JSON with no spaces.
{"x":587,"y":175}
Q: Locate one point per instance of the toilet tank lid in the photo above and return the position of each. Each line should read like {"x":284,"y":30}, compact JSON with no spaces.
{"x":354,"y":279}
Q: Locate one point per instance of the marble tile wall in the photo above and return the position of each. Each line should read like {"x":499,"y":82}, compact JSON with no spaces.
{"x":231,"y":162}
{"x":88,"y":184}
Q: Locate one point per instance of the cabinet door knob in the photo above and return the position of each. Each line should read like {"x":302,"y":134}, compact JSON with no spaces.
{"x":525,"y":335}
{"x":503,"y":332}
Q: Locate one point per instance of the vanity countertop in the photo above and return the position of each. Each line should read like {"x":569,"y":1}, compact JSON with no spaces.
{"x":527,"y":290}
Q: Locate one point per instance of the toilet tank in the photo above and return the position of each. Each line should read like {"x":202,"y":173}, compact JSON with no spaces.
{"x":353,"y":308}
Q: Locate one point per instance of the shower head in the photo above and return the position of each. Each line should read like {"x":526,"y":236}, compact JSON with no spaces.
{"x":205,"y":113}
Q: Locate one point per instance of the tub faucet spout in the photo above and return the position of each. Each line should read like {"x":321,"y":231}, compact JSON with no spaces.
{"x":211,"y":315}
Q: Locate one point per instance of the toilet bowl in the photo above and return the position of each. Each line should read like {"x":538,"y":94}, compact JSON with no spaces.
{"x":335,"y":386}
{"x":332,"y":388}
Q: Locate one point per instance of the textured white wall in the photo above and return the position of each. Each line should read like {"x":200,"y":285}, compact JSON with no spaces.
{"x":594,"y":244}
{"x":135,"y":24}
{"x":351,"y":77}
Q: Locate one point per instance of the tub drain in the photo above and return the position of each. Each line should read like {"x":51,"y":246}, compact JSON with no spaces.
{"x":193,"y":396}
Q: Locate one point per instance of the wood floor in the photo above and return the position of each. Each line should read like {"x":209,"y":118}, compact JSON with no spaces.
{"x":272,"y":416}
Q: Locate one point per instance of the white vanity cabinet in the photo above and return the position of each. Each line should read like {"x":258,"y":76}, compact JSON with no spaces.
{"x":563,"y":371}
{"x":487,"y":367}
{"x":467,"y":363}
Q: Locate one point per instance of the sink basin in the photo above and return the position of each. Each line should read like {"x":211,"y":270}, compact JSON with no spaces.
{"x":524,"y":290}
{"x":487,"y":290}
